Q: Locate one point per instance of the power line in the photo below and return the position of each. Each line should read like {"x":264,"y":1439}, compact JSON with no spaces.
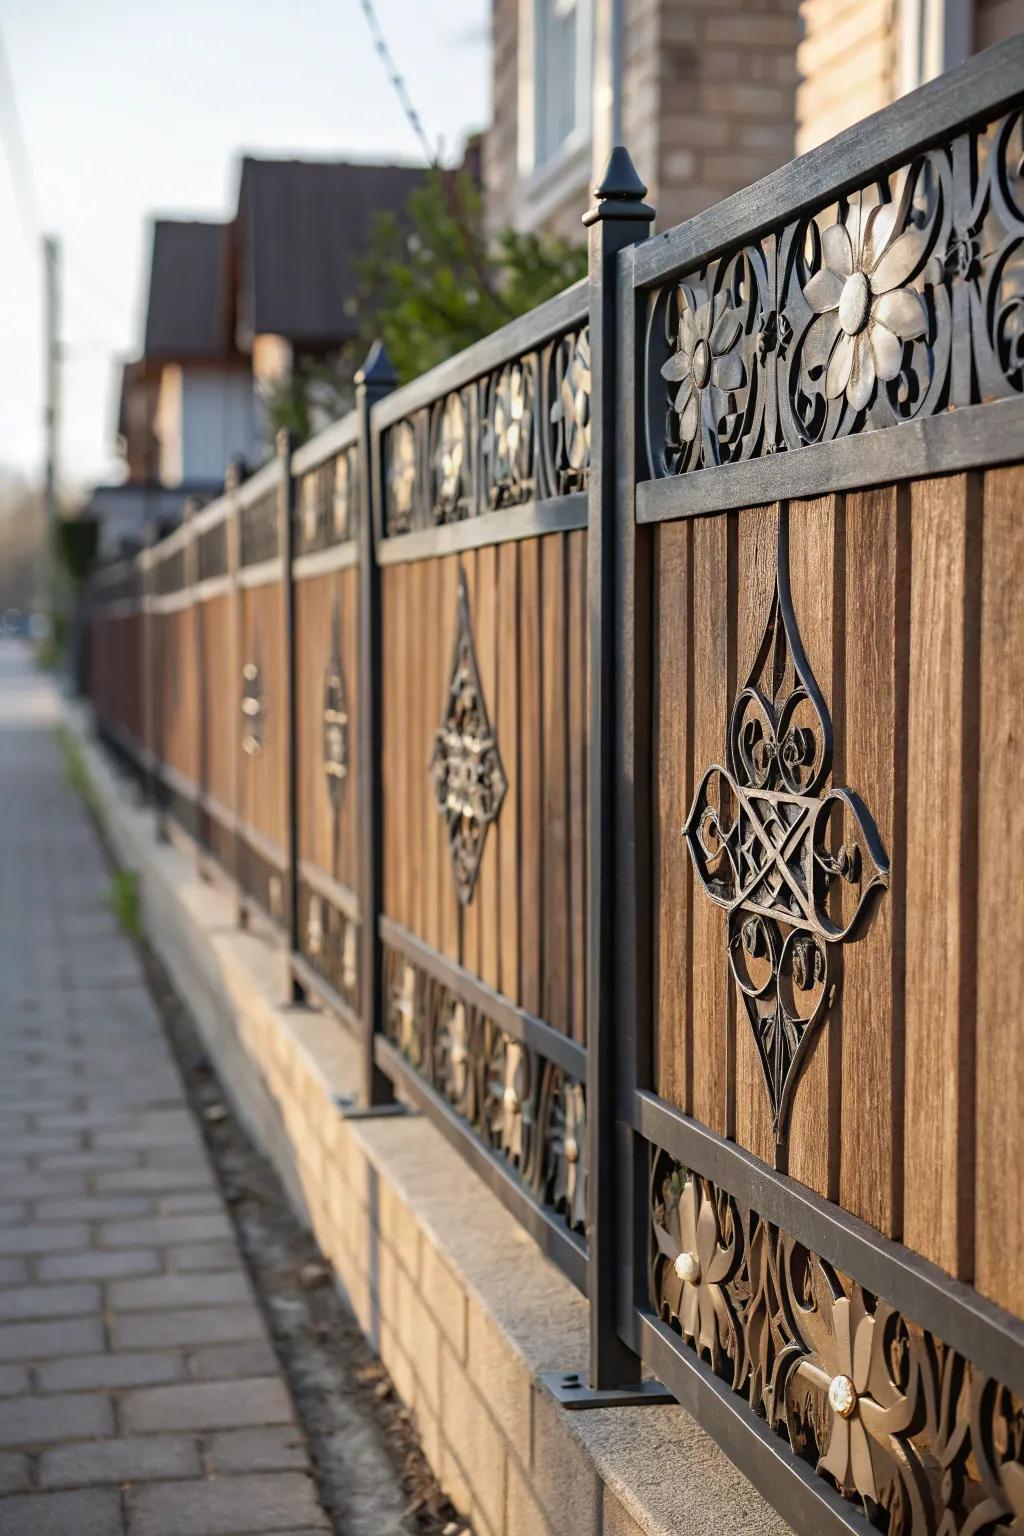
{"x":398,"y":83}
{"x":17,"y":154}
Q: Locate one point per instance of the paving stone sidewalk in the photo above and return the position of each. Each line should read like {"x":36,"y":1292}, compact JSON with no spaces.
{"x":139,"y":1394}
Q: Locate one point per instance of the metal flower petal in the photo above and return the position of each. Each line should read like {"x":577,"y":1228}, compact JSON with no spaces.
{"x":840,"y":366}
{"x":824,"y":290}
{"x":836,"y":250}
{"x":901,"y":311}
{"x":899,"y":261}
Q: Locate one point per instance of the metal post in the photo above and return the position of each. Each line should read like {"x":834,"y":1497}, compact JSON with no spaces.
{"x":286,"y":442}
{"x":233,"y":478}
{"x":619,"y":219}
{"x":374,"y":380}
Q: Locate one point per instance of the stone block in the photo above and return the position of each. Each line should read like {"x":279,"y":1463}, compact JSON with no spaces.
{"x":471,"y":1436}
{"x":132,"y":1369}
{"x":159,"y":1231}
{"x":51,"y":1340}
{"x":169,"y":1291}
{"x":84,"y":1512}
{"x":445,"y":1298}
{"x":232,"y":1362}
{"x":186,"y":1327}
{"x":119,"y":1461}
{"x":26,"y":1421}
{"x":565,"y":1480}
{"x":277,"y":1449}
{"x":14,"y":1474}
{"x":35,"y":1301}
{"x":274,"y":1501}
{"x":93,"y":1264}
{"x":198,"y":1406}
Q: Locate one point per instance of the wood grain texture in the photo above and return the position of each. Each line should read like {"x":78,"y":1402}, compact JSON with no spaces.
{"x":757,"y":537}
{"x":671,"y":798}
{"x":555,"y":888}
{"x":218,"y":683}
{"x":507,"y":725}
{"x":576,"y":718}
{"x":999,"y":1251}
{"x":938,"y":1157}
{"x":816,"y":582}
{"x":877,"y":633}
{"x":712,"y":700}
{"x":531,"y":934}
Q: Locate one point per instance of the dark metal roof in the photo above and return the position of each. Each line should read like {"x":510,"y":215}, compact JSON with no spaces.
{"x":189,"y":313}
{"x":303,"y":225}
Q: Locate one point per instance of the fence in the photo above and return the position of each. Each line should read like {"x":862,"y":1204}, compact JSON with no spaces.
{"x":620,"y":724}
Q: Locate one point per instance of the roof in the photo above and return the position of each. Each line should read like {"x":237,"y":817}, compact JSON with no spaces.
{"x":303,"y":227}
{"x":189,"y":313}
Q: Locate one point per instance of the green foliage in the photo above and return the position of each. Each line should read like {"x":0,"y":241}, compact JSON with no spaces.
{"x":316,"y":392}
{"x":75,"y":770}
{"x":123,"y":901}
{"x":434,"y":286}
{"x":76,"y":540}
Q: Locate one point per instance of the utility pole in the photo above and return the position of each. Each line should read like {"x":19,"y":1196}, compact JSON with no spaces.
{"x":46,"y":595}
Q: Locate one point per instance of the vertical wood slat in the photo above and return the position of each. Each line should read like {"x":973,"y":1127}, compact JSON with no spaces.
{"x":531,"y":932}
{"x":673,"y":766}
{"x":877,"y":609}
{"x":815,"y":574}
{"x":712,"y":700}
{"x":429,"y":648}
{"x":554,"y":885}
{"x":576,"y":718}
{"x":999,"y":1136}
{"x":509,"y":741}
{"x":485,"y":629}
{"x":941,"y":855}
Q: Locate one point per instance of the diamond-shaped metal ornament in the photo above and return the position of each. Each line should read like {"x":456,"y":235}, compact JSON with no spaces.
{"x":465,"y":766}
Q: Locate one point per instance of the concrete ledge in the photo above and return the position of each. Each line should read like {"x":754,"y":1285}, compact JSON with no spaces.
{"x":461,"y":1305}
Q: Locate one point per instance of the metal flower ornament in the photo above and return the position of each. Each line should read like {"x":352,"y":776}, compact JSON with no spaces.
{"x":865,"y":311}
{"x":703,"y":364}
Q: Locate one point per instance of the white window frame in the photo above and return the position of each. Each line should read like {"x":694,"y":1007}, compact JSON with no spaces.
{"x":575,"y":151}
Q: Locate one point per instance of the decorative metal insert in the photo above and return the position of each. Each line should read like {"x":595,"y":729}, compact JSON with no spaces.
{"x":797,"y":870}
{"x":526,"y":1109}
{"x":253,"y":709}
{"x":335,"y":716}
{"x":329,"y":940}
{"x":900,"y":1423}
{"x":899,"y":300}
{"x":468,"y":777}
{"x":518,"y":433}
{"x":259,"y":529}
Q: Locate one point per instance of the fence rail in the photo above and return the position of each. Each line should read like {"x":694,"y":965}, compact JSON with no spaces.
{"x":619,"y":726}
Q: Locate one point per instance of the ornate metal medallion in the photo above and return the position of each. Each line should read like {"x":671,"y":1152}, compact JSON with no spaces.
{"x":797,"y":870}
{"x":335,"y":716}
{"x":466,"y":769}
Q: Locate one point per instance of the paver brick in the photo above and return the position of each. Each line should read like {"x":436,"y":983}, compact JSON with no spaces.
{"x":50,"y":1340}
{"x":48,"y":1301}
{"x":85,"y":1512}
{"x":193,"y":1325}
{"x":13,"y":1271}
{"x":93,"y":1208}
{"x":119,"y":1461}
{"x":207,"y":1405}
{"x":232,"y":1362}
{"x":159,"y":1230}
{"x":274,"y":1501}
{"x":166,"y":1291}
{"x":45,"y":1239}
{"x":13,"y":1380}
{"x":274,"y":1449}
{"x":155,"y":1180}
{"x":44,"y":1420}
{"x":134,"y":1368}
{"x":14,"y":1473}
{"x":92,"y":1264}
{"x":202,"y":1257}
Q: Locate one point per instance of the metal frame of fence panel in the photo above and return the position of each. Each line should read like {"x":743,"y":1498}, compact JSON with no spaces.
{"x":489,"y":450}
{"x":856,"y":1384}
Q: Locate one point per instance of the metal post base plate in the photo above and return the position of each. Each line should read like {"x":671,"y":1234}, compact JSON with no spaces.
{"x":570,"y":1389}
{"x":350,"y":1109}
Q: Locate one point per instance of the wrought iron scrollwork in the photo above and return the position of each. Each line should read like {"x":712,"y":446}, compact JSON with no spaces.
{"x":325,"y":514}
{"x":517,"y":433}
{"x":843,"y":321}
{"x":797,"y":867}
{"x":335,"y":716}
{"x":525,"y":1109}
{"x":899,"y":1422}
{"x":465,"y":766}
{"x":329,"y":940}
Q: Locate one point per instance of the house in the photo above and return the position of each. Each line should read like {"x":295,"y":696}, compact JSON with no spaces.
{"x":708,"y":95}
{"x":233,"y":310}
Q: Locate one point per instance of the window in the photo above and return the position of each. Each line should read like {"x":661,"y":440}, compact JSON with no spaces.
{"x":561,"y":79}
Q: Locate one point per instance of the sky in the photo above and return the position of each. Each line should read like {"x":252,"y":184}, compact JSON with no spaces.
{"x":131,"y":108}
